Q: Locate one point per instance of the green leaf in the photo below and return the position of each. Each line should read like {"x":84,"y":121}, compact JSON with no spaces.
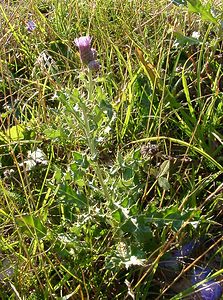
{"x":58,"y":174}
{"x":15,"y":133}
{"x":172,"y":216}
{"x":129,"y":225}
{"x":52,"y":133}
{"x":128,"y":176}
{"x":80,"y":160}
{"x":117,"y":215}
{"x":70,"y":197}
{"x":164,"y":168}
{"x":164,"y":183}
{"x":183,"y":40}
{"x":32,"y":226}
{"x":204,"y":10}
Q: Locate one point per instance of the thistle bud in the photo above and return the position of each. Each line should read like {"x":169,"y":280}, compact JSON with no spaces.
{"x":88,"y":55}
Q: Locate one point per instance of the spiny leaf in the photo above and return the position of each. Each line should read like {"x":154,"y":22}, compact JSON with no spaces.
{"x":204,"y":10}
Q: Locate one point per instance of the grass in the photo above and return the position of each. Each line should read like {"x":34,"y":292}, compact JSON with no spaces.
{"x":106,"y":176}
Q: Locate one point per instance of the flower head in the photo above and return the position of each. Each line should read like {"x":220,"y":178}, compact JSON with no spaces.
{"x":88,"y":55}
{"x":83,"y":42}
{"x":84,"y":45}
{"x":30,"y":25}
{"x":94,"y":65}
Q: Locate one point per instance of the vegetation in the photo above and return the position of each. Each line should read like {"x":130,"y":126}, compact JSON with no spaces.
{"x":111,"y":180}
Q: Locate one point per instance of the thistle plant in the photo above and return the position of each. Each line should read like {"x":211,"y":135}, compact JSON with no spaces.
{"x":88,"y":57}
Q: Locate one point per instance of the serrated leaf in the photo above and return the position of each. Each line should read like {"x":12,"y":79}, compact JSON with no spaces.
{"x":128,"y":177}
{"x":204,"y":10}
{"x":70,"y":197}
{"x":79,"y":160}
{"x":129,"y":225}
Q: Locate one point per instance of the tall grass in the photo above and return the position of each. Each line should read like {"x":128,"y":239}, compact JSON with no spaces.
{"x":111,"y":181}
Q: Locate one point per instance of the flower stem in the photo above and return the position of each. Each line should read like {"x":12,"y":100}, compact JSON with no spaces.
{"x":90,"y":138}
{"x":90,"y":85}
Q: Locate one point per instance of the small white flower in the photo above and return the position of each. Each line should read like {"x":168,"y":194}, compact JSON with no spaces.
{"x":134,"y":261}
{"x":100,"y":139}
{"x":76,"y":107}
{"x":107,"y":129}
{"x":34,"y":158}
{"x":195,"y":35}
{"x":55,"y":96}
{"x":176,"y":44}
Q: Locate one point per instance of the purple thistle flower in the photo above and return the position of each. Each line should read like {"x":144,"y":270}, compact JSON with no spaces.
{"x":88,"y":55}
{"x":30,"y":25}
{"x":94,"y":65}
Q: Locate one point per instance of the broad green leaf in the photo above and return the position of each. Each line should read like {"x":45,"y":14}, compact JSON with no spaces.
{"x":70,"y":197}
{"x":117,"y":215}
{"x":183,"y":40}
{"x":129,"y":225}
{"x":15,"y":133}
{"x":80,"y":160}
{"x":172,"y":216}
{"x":32,"y":226}
{"x":197,"y":7}
{"x":204,"y":10}
{"x":128,"y":176}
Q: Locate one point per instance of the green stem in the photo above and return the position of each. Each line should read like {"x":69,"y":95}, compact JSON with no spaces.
{"x":90,"y":138}
{"x":90,"y":85}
